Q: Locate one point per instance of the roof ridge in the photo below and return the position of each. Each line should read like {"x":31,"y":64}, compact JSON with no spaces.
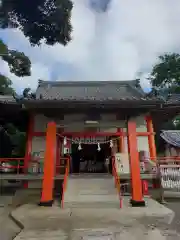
{"x":62,"y":83}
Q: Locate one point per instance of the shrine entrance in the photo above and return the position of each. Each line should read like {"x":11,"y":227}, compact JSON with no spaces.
{"x":90,"y":152}
{"x":90,"y":158}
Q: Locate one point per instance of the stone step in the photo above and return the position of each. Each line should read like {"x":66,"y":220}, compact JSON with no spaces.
{"x":89,"y":192}
{"x":92,"y":205}
{"x":89,"y":183}
{"x":91,"y":176}
{"x":93,"y":191}
{"x":91,"y":198}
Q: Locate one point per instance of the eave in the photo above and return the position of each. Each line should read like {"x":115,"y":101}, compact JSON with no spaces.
{"x":105,"y":104}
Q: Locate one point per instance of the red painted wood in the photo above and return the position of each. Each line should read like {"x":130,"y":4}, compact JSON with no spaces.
{"x":58,"y":151}
{"x":49,"y":171}
{"x":28,"y":147}
{"x":134,"y":163}
{"x":93,"y":134}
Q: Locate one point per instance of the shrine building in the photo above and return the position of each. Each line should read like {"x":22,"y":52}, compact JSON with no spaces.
{"x":90,"y":121}
{"x":92,"y":112}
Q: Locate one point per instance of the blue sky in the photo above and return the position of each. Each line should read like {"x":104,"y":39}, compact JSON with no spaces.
{"x":118,"y":44}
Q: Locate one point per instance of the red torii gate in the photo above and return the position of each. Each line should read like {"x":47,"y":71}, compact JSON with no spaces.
{"x":50,"y":155}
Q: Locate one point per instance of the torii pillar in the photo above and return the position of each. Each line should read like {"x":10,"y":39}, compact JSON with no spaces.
{"x":49,"y":166}
{"x":151,"y":138}
{"x":136,"y":183}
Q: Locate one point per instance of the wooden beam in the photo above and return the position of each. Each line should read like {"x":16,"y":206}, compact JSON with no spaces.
{"x":28,"y":146}
{"x":121,"y":142}
{"x":89,"y":134}
{"x":151,"y":139}
{"x":136,"y":184}
{"x":48,"y":177}
{"x":59,"y":143}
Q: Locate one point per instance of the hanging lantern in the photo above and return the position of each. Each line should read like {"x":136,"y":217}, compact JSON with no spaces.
{"x":79,"y":147}
{"x":98,"y":148}
{"x":65,"y":141}
{"x":111,"y":143}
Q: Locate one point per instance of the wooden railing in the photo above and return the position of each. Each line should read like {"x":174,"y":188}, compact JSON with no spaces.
{"x":64,"y":186}
{"x":156,"y":163}
{"x":18,"y":165}
{"x":117,"y":181}
{"x":163,"y":159}
{"x":8,"y":165}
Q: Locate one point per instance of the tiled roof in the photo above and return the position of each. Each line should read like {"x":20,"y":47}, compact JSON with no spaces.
{"x":173,"y":99}
{"x":90,"y":90}
{"x":172,"y":137}
{"x":7,"y":99}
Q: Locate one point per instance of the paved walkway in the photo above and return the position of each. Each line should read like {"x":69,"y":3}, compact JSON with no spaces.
{"x":107,"y":224}
{"x":8,"y":228}
{"x":74,"y":224}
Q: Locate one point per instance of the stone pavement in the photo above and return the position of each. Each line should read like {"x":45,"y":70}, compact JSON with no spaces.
{"x":8,"y":229}
{"x":95,"y":224}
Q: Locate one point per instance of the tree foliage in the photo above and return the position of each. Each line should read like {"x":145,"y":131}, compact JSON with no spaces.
{"x":28,"y":93}
{"x":5,"y":86}
{"x":19,"y":64}
{"x":47,"y":20}
{"x":166,"y":73}
{"x":165,"y":79}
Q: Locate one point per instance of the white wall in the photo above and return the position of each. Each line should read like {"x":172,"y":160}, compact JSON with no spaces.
{"x":40,"y":123}
{"x":38,"y":145}
{"x":142,"y":142}
{"x":140,"y":123}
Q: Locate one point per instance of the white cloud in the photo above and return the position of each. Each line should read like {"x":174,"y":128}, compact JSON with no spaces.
{"x":115,"y":45}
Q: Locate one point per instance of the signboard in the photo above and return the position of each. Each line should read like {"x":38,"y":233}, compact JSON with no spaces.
{"x":122,"y":163}
{"x":66,"y":150}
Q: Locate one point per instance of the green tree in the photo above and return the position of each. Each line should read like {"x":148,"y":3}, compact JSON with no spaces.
{"x":28,"y":93}
{"x":165,"y":75}
{"x":47,"y":20}
{"x":5,"y":86}
{"x":18,"y":140}
{"x":165,"y":79}
{"x":19,"y":64}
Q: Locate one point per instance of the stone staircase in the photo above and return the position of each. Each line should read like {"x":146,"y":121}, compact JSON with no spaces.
{"x":91,"y":191}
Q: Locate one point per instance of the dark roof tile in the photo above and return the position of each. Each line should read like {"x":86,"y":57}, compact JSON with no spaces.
{"x":90,"y":90}
{"x":173,"y":98}
{"x":7,"y":99}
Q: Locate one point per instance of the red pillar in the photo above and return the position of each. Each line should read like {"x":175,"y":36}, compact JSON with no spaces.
{"x":59,"y":140}
{"x":28,"y":146}
{"x":152,"y":144}
{"x":136,"y":185}
{"x":49,"y":163}
{"x":151,"y":139}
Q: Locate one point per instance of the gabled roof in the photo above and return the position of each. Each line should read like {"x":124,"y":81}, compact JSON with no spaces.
{"x":91,"y":90}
